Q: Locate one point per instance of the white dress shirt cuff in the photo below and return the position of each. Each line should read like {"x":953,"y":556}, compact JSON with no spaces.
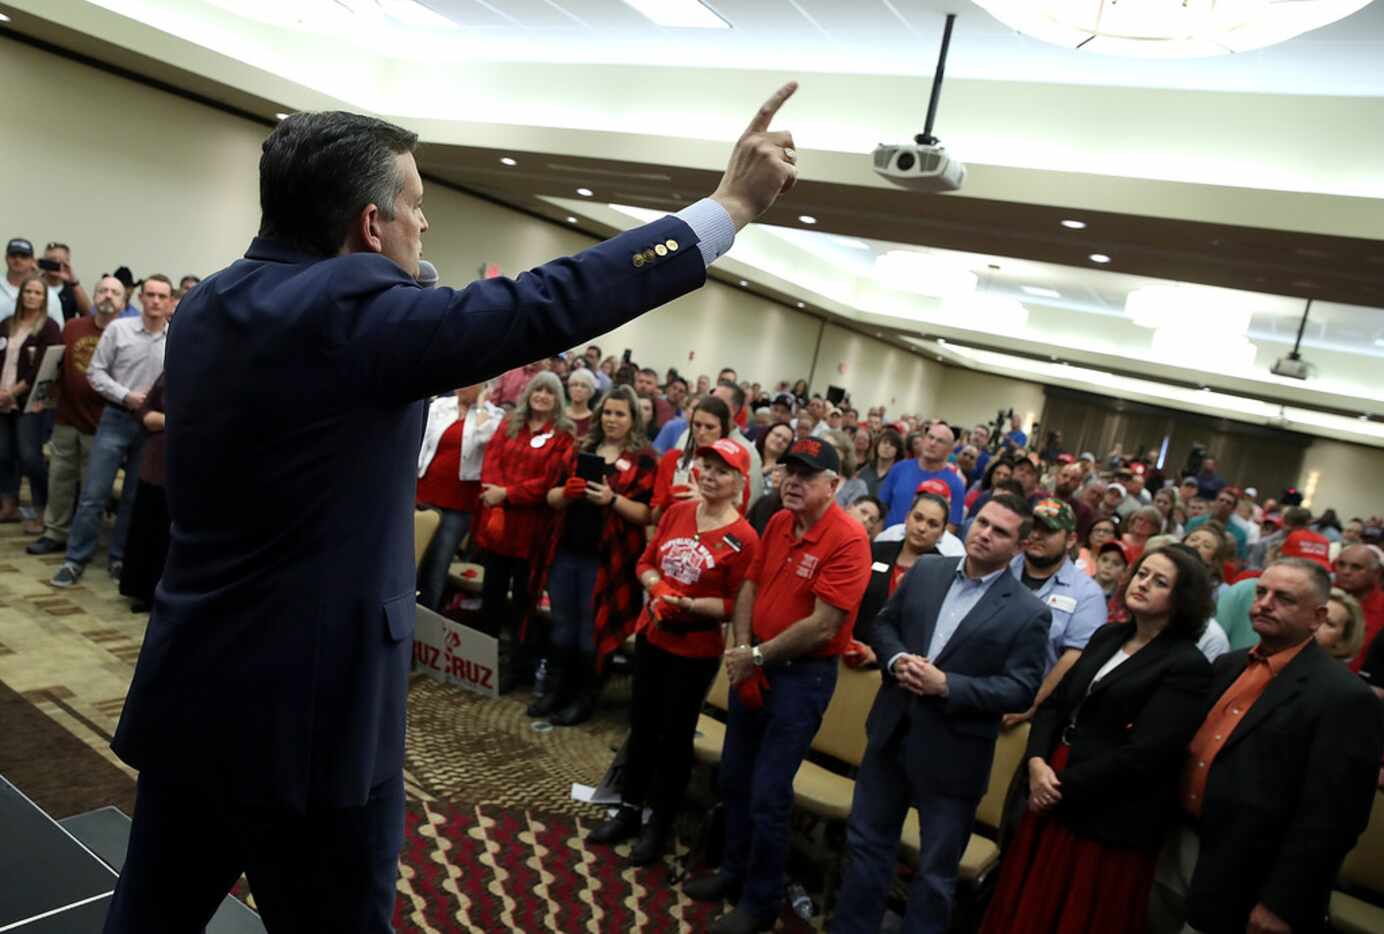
{"x":714,"y":229}
{"x":890,"y":667}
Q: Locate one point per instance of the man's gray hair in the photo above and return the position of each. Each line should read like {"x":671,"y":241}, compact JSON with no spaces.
{"x":1321,"y":581}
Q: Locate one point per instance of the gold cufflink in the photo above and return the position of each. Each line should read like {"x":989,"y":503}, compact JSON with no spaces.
{"x":672,"y":246}
{"x":660,"y":249}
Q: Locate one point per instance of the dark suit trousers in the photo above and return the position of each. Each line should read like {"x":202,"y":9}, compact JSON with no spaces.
{"x":329,"y":870}
{"x":884,"y":791}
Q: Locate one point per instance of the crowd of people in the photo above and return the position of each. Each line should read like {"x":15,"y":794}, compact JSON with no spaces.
{"x":1133,"y":616}
{"x":1142,"y":622}
{"x":69,"y":432}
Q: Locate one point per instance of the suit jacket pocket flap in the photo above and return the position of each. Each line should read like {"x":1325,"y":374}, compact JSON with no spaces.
{"x":399,"y":617}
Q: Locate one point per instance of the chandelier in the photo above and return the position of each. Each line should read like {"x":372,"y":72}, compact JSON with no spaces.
{"x":1167,"y":28}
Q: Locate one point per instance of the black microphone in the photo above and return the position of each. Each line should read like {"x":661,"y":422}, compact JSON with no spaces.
{"x":427,"y":274}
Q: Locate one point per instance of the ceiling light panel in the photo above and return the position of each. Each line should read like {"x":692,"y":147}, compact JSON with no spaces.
{"x":680,"y":14}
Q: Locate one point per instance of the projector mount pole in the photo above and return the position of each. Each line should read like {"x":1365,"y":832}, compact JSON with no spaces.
{"x":1302,"y":326}
{"x":926,"y":138}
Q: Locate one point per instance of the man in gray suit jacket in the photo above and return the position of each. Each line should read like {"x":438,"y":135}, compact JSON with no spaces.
{"x":961,"y":642}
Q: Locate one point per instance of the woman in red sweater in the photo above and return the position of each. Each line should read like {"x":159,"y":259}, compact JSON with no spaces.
{"x":675,"y":481}
{"x":693,"y":570}
{"x":513,"y":523}
{"x":592,"y":552}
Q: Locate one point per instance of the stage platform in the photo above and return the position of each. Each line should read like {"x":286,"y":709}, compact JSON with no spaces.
{"x":59,"y":876}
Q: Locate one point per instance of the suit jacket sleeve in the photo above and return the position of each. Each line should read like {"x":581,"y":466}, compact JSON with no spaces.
{"x":413,"y":343}
{"x":1334,"y":807}
{"x":1159,"y":735}
{"x":1013,"y":690}
{"x":886,"y":634}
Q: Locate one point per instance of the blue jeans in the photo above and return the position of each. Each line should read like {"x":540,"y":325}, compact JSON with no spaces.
{"x":572,"y":590}
{"x":119,"y":439}
{"x":884,"y":791}
{"x":21,"y":452}
{"x":432,"y":570}
{"x":762,"y":752}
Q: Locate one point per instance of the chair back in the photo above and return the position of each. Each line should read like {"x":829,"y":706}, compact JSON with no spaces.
{"x":842,"y":734}
{"x":425,"y":522}
{"x":1009,"y":755}
{"x":719,"y":696}
{"x":1364,"y":865}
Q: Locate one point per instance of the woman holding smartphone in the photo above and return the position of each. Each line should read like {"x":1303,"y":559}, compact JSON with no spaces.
{"x":675,"y":481}
{"x":693,"y":570}
{"x":601,"y":495}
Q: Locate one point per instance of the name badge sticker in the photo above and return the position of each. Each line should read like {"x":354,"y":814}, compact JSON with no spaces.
{"x":622,"y":465}
{"x":879,"y":567}
{"x":537,"y":441}
{"x":1061,"y":602}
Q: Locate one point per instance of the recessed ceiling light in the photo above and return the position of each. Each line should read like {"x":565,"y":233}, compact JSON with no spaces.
{"x":1206,"y":389}
{"x":807,"y":219}
{"x":801,"y":305}
{"x":276,"y":116}
{"x":680,"y":14}
{"x":744,"y":284}
{"x":4,"y":18}
{"x":585,"y":192}
{"x":1364,"y":418}
{"x":1099,"y":258}
{"x":942,"y":341}
{"x":508,"y":161}
{"x":1039,"y":291}
{"x":1074,"y":225}
{"x":571,"y":220}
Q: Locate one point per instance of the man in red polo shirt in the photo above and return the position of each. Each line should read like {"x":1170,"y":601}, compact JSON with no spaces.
{"x":793,"y":617}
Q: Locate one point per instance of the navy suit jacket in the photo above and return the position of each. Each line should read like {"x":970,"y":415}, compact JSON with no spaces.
{"x":274,"y":669}
{"x":994,"y":664}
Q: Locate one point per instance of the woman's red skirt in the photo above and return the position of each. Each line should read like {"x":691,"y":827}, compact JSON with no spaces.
{"x":1054,"y":882}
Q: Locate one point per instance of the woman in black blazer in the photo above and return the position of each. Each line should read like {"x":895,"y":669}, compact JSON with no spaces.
{"x":1104,"y":756}
{"x":923,"y":529}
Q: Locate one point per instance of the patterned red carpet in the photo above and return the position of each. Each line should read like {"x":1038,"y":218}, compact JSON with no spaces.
{"x":493,"y":869}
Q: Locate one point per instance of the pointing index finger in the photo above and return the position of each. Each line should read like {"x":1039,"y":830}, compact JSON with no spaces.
{"x":765,"y":115}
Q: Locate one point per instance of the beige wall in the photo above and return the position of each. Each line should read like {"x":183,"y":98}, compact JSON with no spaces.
{"x":969,"y":397}
{"x":1344,"y":477}
{"x":172,"y":187}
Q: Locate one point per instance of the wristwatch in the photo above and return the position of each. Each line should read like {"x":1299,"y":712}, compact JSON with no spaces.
{"x":758,"y":656}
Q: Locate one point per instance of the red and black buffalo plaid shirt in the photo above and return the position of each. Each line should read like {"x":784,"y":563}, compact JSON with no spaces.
{"x":619,"y":597}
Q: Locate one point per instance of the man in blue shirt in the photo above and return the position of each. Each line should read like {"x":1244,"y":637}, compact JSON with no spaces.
{"x":897,"y":489}
{"x":1223,"y":509}
{"x":1016,"y":438}
{"x":1075,"y":600}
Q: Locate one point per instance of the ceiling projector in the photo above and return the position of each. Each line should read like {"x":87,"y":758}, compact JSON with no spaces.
{"x":919,"y":166}
{"x":923,"y":164}
{"x":1291,"y":366}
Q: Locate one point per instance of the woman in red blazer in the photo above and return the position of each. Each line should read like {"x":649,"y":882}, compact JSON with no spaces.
{"x":514,"y":521}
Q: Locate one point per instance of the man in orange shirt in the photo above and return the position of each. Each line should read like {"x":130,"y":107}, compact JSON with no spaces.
{"x":1280,"y":778}
{"x":793,"y":617}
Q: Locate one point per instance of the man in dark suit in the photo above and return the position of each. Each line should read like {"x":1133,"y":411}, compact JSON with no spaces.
{"x":266,"y":715}
{"x":1281,"y":776}
{"x":962,"y":642}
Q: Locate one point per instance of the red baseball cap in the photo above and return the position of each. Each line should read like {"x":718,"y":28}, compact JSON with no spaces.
{"x":935,"y":487}
{"x":731,"y":452}
{"x":1309,"y":547}
{"x":1116,"y":545}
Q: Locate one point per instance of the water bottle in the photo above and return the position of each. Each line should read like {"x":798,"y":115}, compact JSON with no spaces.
{"x":801,"y":901}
